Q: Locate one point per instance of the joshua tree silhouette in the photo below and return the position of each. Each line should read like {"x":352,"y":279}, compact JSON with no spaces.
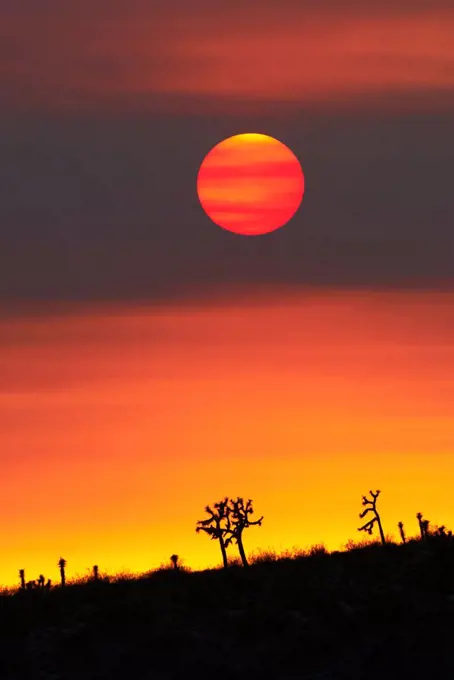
{"x":62,"y":565}
{"x":22,"y":578}
{"x":402,"y":532}
{"x":423,"y":526}
{"x":372,"y":507}
{"x":41,"y":581}
{"x":174,"y":560}
{"x":419,"y":518}
{"x":217,"y":525}
{"x":95,"y":572}
{"x":239,"y":520}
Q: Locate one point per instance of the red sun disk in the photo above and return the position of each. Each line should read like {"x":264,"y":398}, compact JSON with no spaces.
{"x":250,"y":184}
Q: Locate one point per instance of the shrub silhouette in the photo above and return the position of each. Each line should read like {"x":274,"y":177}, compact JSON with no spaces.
{"x":62,"y":565}
{"x":239,"y":521}
{"x":317,"y":550}
{"x":402,"y":532}
{"x":217,"y":525}
{"x":337,"y":609}
{"x":441,"y":532}
{"x":40,"y":582}
{"x":264,"y":556}
{"x":372,"y":507}
{"x":95,"y":572}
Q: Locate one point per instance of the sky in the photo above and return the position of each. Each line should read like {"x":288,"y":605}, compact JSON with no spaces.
{"x":152,"y":362}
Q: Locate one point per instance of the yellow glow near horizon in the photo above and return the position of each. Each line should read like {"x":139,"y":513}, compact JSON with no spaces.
{"x":119,"y":424}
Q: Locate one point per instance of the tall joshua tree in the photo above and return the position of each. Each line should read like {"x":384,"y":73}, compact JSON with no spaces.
{"x":402,"y":532}
{"x":62,"y":565}
{"x":240,"y":513}
{"x":95,"y":572}
{"x":217,"y":525}
{"x":22,"y":578}
{"x":371,"y":506}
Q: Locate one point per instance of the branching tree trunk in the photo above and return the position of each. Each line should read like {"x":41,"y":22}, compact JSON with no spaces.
{"x":223,"y":552}
{"x":372,"y":507}
{"x":240,"y":520}
{"x":423,"y":526}
{"x":217,"y":526}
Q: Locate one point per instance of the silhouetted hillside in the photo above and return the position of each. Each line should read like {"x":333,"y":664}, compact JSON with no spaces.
{"x":374,"y":612}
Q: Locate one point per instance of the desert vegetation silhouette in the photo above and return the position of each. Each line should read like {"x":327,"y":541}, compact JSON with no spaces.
{"x":226,"y":523}
{"x":228,"y":518}
{"x":265,"y":608}
{"x":371,"y":506}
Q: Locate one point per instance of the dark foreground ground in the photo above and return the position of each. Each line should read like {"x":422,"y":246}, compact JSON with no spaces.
{"x":364,"y":614}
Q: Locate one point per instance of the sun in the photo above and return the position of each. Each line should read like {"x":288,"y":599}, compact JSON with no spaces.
{"x":250,"y":184}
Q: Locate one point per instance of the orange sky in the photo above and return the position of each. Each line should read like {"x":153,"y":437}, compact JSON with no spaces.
{"x":140,"y":56}
{"x":118,"y":424}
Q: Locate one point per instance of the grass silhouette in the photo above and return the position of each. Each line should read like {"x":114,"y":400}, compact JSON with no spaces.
{"x":376,"y":609}
{"x":371,"y":610}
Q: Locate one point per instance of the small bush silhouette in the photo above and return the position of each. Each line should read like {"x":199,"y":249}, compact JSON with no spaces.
{"x":234,"y":561}
{"x":317,"y":550}
{"x":264,"y":556}
{"x":441,"y":532}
